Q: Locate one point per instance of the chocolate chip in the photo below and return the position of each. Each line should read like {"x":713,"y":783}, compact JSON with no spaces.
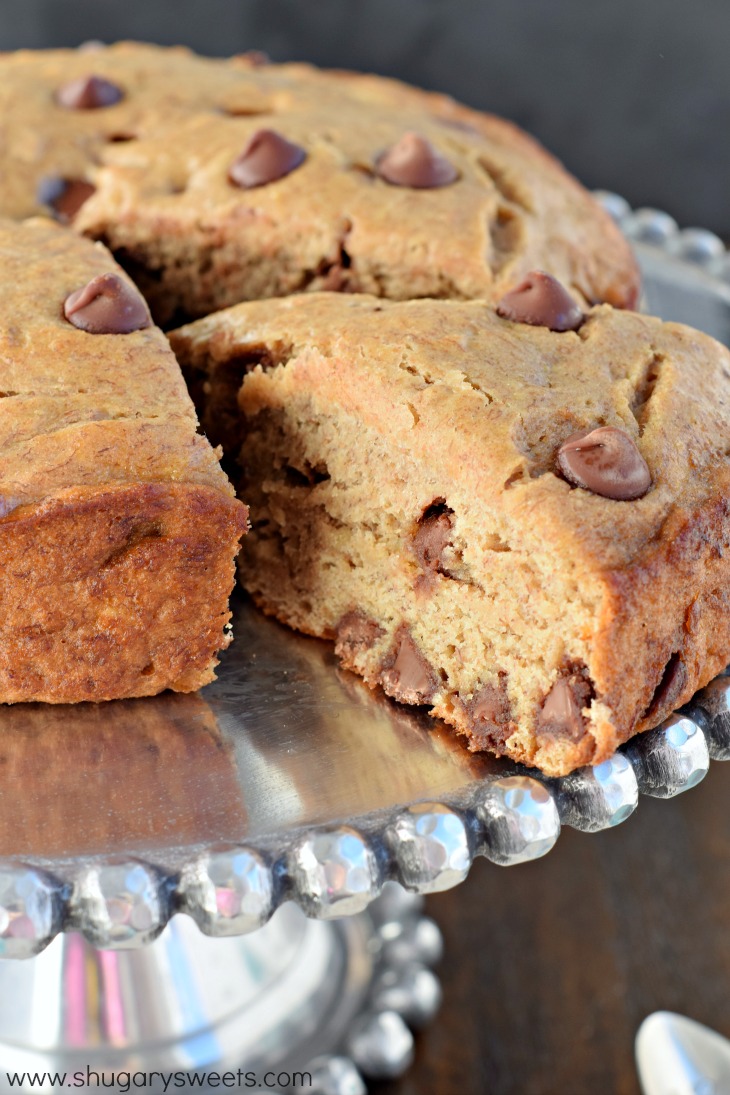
{"x":605,"y":461}
{"x":267,"y":157}
{"x":490,"y":716}
{"x":541,"y":301}
{"x":356,"y":633}
{"x":64,"y":197}
{"x":407,"y":676}
{"x":107,"y":306}
{"x":433,"y":536}
{"x":560,"y":714}
{"x":414,"y":162}
{"x":89,"y":93}
{"x":490,"y":706}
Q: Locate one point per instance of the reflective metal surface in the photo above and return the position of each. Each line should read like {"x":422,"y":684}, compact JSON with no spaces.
{"x":296,"y":996}
{"x":289,"y":779}
{"x":678,"y":1056}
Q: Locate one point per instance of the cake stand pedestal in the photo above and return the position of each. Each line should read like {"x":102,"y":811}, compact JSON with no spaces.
{"x":277,"y":1008}
{"x":230,"y":882}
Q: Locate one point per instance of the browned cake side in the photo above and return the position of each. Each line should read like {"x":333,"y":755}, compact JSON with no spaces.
{"x":201,"y":225}
{"x":400,"y":464}
{"x":118,"y":529}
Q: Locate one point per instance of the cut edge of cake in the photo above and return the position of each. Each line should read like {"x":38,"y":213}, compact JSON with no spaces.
{"x":396,"y":513}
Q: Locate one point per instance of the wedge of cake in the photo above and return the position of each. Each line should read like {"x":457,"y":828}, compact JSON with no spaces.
{"x":118,"y":528}
{"x":516,"y":514}
{"x":219,"y":181}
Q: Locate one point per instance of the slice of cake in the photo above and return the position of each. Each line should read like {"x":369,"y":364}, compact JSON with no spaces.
{"x":219,"y":181}
{"x":516,"y":515}
{"x":118,"y":528}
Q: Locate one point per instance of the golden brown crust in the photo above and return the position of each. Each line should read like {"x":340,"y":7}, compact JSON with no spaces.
{"x":115,"y":592}
{"x":160,"y":157}
{"x":367,"y":416}
{"x":118,"y":529}
{"x":686,"y":640}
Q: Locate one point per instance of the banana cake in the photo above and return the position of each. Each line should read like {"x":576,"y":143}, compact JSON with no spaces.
{"x":516,"y":513}
{"x":218,"y":181}
{"x":118,"y":528}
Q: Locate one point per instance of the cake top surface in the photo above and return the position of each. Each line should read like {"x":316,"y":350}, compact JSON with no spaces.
{"x":81,"y":407}
{"x":349,"y":180}
{"x":487,"y":404}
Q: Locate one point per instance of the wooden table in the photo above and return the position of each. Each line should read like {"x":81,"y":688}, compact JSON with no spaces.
{"x":550,"y":967}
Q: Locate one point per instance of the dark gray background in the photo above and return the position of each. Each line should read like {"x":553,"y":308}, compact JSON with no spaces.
{"x":633,"y":95}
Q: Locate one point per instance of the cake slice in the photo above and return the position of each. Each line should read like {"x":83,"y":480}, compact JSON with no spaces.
{"x":517,"y":514}
{"x":218,"y":181}
{"x":118,"y":528}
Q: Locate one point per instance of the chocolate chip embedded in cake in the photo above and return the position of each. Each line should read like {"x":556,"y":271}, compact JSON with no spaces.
{"x":219,"y":181}
{"x":432,"y":540}
{"x":356,"y":634}
{"x":561,"y":711}
{"x":405,"y":674}
{"x":525,"y":530}
{"x":433,"y":535}
{"x":490,"y":716}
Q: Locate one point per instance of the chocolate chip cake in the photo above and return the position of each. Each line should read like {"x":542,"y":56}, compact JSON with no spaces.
{"x":220,"y":181}
{"x":118,"y":528}
{"x":517,"y":514}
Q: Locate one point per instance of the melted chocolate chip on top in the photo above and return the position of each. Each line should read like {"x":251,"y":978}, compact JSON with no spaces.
{"x":89,"y":93}
{"x":267,"y":157}
{"x":606,"y":462}
{"x":64,"y":197}
{"x":541,"y":301}
{"x":107,"y":305}
{"x":414,"y":162}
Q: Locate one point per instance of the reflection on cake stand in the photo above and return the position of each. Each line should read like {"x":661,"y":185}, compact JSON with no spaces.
{"x":286,"y":783}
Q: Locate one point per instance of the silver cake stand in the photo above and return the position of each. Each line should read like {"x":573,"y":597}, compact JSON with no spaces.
{"x":294,"y":819}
